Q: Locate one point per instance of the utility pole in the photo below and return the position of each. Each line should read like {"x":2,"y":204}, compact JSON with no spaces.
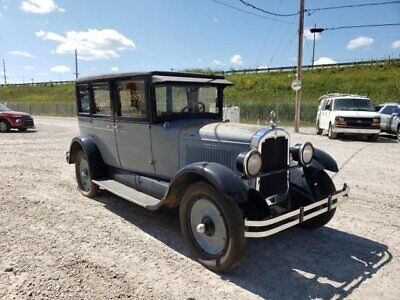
{"x":314,"y":31}
{"x":4,"y":72}
{"x":299,"y":67}
{"x":76,"y":64}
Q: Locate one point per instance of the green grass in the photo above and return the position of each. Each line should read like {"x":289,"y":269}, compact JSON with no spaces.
{"x":63,"y":93}
{"x":257,"y":94}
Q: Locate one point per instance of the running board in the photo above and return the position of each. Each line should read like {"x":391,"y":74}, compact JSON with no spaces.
{"x":129,"y":193}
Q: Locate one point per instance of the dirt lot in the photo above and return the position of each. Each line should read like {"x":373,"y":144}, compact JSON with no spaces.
{"x":55,"y":243}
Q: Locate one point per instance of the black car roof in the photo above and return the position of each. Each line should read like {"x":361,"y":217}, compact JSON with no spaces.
{"x":151,"y":73}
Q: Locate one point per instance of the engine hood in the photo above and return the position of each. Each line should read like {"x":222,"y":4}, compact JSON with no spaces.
{"x":14,"y":113}
{"x":221,"y":132}
{"x":357,"y":114}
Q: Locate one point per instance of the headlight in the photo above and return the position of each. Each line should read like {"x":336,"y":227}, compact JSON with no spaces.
{"x":306,"y":153}
{"x":249,"y":163}
{"x":303,"y":153}
{"x":18,"y":121}
{"x":340,"y":119}
{"x":376,"y":120}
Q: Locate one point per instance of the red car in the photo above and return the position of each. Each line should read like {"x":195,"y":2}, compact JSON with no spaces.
{"x":14,"y":119}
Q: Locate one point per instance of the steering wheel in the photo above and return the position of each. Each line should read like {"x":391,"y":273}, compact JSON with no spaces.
{"x":201,"y":107}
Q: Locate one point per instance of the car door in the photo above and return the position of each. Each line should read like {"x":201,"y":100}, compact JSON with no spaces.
{"x":395,"y":119}
{"x":103,"y":126}
{"x":386,"y":115}
{"x":325,"y":114}
{"x":132,"y":126}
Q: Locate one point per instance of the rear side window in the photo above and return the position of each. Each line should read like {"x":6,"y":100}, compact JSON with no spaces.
{"x":102,"y":100}
{"x":83,"y":99}
{"x":132,"y":96}
{"x":388,"y":110}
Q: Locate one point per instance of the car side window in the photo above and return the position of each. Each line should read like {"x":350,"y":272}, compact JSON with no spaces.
{"x":132,"y":95}
{"x":102,"y":99}
{"x":328,"y":105}
{"x":84,"y":99}
{"x":388,"y":110}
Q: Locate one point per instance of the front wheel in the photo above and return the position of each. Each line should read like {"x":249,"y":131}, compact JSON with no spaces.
{"x":319,"y":221}
{"x":398,"y":132}
{"x":318,"y":129}
{"x":331,"y":134}
{"x":84,"y":177}
{"x":213,"y":227}
{"x":4,"y":127}
{"x":373,"y":138}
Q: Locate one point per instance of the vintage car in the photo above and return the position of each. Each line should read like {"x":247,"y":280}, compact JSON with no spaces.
{"x":390,"y":118}
{"x":347,"y":114}
{"x":159,"y":139}
{"x":10,"y":119}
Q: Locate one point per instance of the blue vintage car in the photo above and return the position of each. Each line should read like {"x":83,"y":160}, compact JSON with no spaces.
{"x":160,"y":139}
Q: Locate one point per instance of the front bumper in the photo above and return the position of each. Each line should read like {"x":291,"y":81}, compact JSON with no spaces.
{"x":349,"y":130}
{"x":295,"y":217}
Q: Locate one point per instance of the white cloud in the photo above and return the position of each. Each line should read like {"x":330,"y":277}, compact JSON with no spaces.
{"x":199,"y":60}
{"x":324,"y":61}
{"x":237,"y":60}
{"x":21,"y":53}
{"x":263,"y":67}
{"x":310,"y":36}
{"x":218,"y":62}
{"x":0,"y":14}
{"x":396,"y":44}
{"x":361,"y":41}
{"x":60,"y":69}
{"x":92,"y":44}
{"x":114,"y":69}
{"x":215,"y":19}
{"x":40,"y":6}
{"x":29,"y":68}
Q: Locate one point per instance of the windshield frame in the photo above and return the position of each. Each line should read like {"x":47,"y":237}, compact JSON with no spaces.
{"x":217,"y":116}
{"x":353,"y":99}
{"x":4,"y":107}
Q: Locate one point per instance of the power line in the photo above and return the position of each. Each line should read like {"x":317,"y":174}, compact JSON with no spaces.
{"x":310,"y":10}
{"x":268,"y":12}
{"x":362,"y":26}
{"x":248,"y":12}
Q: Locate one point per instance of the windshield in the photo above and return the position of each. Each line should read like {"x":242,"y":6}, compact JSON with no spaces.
{"x":353,"y":104}
{"x":186,"y":100}
{"x":4,"y":108}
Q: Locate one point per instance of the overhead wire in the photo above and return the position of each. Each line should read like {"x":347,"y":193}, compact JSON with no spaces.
{"x":248,"y":12}
{"x":266,"y":11}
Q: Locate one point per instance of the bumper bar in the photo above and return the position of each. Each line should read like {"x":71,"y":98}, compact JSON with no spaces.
{"x":295,"y":217}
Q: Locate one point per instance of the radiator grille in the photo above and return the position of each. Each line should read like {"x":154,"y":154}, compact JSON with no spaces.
{"x":359,"y":122}
{"x":274,"y":152}
{"x":209,"y":153}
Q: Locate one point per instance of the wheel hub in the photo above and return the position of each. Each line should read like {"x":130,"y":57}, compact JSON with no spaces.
{"x":208,"y":227}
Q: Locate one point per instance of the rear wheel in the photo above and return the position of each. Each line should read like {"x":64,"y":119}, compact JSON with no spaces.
{"x":4,"y":126}
{"x":331,"y":134}
{"x":213,"y":227}
{"x":83,"y":176}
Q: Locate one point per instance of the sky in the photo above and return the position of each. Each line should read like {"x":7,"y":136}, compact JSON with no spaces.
{"x":38,"y":37}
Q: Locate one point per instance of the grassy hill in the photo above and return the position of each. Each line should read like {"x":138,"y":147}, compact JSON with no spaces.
{"x":257,"y":94}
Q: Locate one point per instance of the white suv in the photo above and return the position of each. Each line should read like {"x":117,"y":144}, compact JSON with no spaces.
{"x":347,"y":114}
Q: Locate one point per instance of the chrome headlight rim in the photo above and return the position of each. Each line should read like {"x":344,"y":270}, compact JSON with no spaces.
{"x":246,"y":160}
{"x":301,"y":153}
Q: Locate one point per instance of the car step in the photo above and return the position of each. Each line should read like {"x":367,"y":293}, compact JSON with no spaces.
{"x":129,"y":193}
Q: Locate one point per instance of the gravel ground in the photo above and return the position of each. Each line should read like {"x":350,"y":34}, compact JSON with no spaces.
{"x":55,"y":243}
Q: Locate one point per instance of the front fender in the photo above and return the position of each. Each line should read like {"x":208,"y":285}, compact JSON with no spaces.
{"x":309,"y":185}
{"x":222,"y":178}
{"x":323,"y":160}
{"x":87,"y":144}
